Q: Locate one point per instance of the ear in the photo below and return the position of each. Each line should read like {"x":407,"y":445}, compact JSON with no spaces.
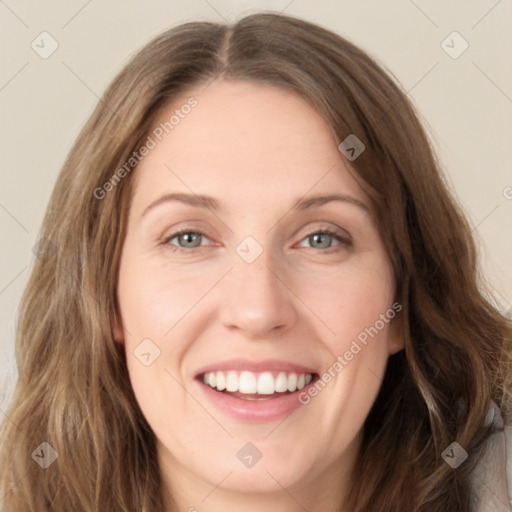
{"x":117,"y":329}
{"x":396,"y":333}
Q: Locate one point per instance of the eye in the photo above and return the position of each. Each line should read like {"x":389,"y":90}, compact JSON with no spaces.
{"x":190,"y":239}
{"x":319,"y":239}
{"x":322,"y":239}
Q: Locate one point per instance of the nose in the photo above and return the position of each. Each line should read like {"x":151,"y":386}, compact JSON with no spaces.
{"x":258,"y":300}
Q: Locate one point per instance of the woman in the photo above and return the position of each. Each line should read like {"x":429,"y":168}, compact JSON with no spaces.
{"x":253,"y":368}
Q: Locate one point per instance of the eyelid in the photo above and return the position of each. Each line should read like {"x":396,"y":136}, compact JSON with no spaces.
{"x":335,"y":231}
{"x":171,"y":233}
{"x":165,"y":239}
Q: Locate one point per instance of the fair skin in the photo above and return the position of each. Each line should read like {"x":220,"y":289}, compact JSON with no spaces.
{"x":257,"y":150}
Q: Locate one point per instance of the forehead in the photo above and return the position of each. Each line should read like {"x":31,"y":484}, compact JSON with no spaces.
{"x":243,"y":141}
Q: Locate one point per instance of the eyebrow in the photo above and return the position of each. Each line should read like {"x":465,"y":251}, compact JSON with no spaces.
{"x":208,"y":202}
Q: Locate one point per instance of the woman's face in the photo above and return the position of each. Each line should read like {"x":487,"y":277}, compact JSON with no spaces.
{"x":258,"y":292}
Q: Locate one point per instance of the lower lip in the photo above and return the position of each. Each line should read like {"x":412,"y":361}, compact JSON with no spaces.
{"x":254,"y":410}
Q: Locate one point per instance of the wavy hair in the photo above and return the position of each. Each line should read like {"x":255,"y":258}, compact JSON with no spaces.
{"x":73,"y":389}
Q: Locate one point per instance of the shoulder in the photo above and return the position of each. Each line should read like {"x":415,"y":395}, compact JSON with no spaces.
{"x":492,"y":477}
{"x":508,"y":442}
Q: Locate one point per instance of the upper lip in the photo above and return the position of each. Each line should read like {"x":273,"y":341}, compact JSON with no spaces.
{"x":275,"y":365}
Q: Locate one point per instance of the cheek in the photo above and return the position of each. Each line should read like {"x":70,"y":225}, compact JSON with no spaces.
{"x":349,"y":299}
{"x":155,"y":298}
{"x":356,"y":304}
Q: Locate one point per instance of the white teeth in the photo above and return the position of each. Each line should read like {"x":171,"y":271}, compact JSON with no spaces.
{"x":257,"y":383}
{"x":281,"y":383}
{"x":266,"y":384}
{"x":221,"y":381}
{"x":292,"y":382}
{"x":231,"y":382}
{"x":247,"y":383}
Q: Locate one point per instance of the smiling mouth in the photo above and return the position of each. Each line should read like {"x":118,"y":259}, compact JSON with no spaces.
{"x":253,"y":386}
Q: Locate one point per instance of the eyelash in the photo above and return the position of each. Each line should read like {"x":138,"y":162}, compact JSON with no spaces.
{"x":343,"y":241}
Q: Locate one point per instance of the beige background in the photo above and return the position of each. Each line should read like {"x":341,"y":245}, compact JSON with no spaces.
{"x":466,"y":103}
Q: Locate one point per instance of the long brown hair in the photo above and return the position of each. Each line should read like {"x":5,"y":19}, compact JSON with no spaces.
{"x":73,"y":390}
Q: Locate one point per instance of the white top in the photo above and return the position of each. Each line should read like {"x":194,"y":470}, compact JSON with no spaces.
{"x":492,"y":477}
